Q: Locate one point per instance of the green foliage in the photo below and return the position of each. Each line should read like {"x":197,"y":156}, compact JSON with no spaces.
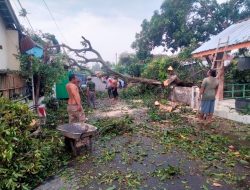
{"x":131,"y":92}
{"x":49,"y":73}
{"x":157,"y":68}
{"x":56,"y":115}
{"x":167,"y":173}
{"x":128,"y":180}
{"x":114,"y":126}
{"x":145,"y":92}
{"x":129,"y":64}
{"x":175,"y":25}
{"x":233,"y":75}
{"x":25,"y":160}
{"x":135,"y":69}
{"x":156,"y":115}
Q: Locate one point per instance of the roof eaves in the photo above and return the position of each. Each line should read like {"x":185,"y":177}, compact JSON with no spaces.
{"x":238,"y":33}
{"x":15,"y":24}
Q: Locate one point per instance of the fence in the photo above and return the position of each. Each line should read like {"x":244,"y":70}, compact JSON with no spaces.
{"x":232,"y":91}
{"x":12,"y":86}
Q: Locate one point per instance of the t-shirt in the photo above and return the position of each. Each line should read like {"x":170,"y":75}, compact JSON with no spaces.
{"x":209,"y":84}
{"x":91,"y":85}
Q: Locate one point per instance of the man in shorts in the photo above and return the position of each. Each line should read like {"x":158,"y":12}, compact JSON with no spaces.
{"x":74,"y":108}
{"x":207,"y":95}
{"x":115,"y":88}
{"x":109,"y":86}
{"x":91,"y":93}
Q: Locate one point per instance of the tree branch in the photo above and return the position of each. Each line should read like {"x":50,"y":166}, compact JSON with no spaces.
{"x":73,"y":62}
{"x":87,"y":48}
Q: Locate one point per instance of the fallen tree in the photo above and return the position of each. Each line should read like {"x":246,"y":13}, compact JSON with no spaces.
{"x":88,"y":49}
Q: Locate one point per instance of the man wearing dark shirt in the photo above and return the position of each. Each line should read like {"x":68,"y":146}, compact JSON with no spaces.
{"x":91,"y":94}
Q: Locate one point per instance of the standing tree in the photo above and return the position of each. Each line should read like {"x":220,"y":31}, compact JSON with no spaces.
{"x":46,"y":70}
{"x":181,"y":23}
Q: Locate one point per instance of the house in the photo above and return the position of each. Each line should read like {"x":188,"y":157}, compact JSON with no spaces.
{"x":215,"y":51}
{"x":234,"y":37}
{"x":11,"y":82}
{"x":28,"y":46}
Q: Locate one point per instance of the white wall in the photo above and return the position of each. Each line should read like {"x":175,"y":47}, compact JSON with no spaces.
{"x":3,"y":51}
{"x":13,"y":48}
{"x":10,"y":43}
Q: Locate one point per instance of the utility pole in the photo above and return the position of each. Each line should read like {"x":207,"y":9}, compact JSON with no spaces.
{"x":116,"y":58}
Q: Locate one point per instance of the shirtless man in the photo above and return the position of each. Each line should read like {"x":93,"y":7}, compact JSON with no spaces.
{"x":74,"y":107}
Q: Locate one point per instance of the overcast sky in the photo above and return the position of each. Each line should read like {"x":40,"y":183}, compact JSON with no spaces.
{"x":109,"y":24}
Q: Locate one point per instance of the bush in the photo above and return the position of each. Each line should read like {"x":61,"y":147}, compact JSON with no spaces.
{"x":157,"y":69}
{"x":25,"y":160}
{"x":131,"y":92}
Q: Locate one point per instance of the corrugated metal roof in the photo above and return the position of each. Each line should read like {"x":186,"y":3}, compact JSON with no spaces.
{"x":8,"y":15}
{"x":26,"y":43}
{"x":237,"y":33}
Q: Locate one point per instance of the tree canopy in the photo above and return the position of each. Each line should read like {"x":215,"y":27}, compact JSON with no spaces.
{"x":181,"y":23}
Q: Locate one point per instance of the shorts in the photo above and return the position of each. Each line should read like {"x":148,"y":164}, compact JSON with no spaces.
{"x":75,"y":116}
{"x":115,"y":92}
{"x":207,"y":106}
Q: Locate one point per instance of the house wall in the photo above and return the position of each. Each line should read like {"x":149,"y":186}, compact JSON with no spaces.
{"x":10,"y":45}
{"x":11,"y":83}
{"x":3,"y":48}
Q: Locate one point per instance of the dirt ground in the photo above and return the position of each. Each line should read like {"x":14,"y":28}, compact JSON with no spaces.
{"x":150,"y":158}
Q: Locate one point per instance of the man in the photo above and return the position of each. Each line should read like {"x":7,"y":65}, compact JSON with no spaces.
{"x":121,"y":83}
{"x":207,"y":95}
{"x":91,"y":94}
{"x":172,"y":78}
{"x":74,"y":107}
{"x":114,"y":88}
{"x":109,"y":86}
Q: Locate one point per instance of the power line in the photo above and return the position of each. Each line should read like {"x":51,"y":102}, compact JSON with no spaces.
{"x":25,"y":14}
{"x":54,"y":20}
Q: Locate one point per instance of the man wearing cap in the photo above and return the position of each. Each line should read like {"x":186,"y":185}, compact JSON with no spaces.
{"x":91,"y":94}
{"x":74,"y":107}
{"x":172,"y":78}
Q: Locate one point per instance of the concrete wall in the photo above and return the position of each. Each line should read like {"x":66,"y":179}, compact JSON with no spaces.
{"x":13,"y":48}
{"x":185,"y":95}
{"x":224,"y":109}
{"x":3,"y":49}
{"x":10,"y":46}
